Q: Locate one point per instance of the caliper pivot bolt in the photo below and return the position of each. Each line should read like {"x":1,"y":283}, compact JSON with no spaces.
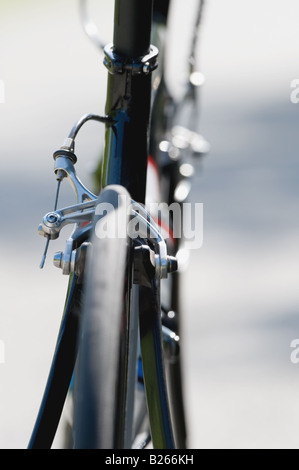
{"x":172,"y":264}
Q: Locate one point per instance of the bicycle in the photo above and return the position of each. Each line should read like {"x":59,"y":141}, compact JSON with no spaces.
{"x":117,"y":350}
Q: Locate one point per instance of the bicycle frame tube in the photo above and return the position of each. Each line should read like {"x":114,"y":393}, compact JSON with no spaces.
{"x":130,"y":61}
{"x":132,"y":27}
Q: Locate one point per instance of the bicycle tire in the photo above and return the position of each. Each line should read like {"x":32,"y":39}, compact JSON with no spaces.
{"x":100,"y":394}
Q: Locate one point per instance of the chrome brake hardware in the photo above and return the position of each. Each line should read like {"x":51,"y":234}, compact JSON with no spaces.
{"x":71,"y":261}
{"x":78,"y":214}
{"x":65,"y":160}
{"x":54,"y":221}
{"x":164,"y":264}
{"x":64,"y":168}
{"x":82,"y":213}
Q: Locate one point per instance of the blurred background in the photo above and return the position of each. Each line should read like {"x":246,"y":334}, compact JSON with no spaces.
{"x":241,"y":291}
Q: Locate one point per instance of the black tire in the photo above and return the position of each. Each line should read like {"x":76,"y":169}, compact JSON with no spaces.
{"x":100,"y":395}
